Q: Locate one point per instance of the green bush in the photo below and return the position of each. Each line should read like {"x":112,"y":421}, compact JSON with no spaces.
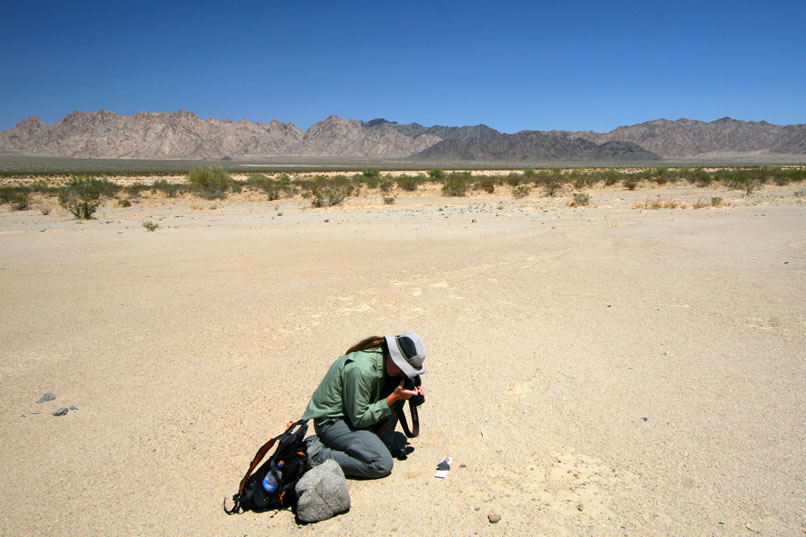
{"x":212,"y":182}
{"x":486,"y":184}
{"x":514,"y":179}
{"x":169,"y":189}
{"x":551,"y":187}
{"x":82,"y":195}
{"x":136,"y":188}
{"x":259,"y":181}
{"x":82,"y":209}
{"x":325,"y":192}
{"x":456,"y":184}
{"x":580,"y":200}
{"x":40,"y":186}
{"x":436,"y":174}
{"x":521,"y":191}
{"x":611,"y":177}
{"x":389,"y":200}
{"x":386,"y":184}
{"x":408,"y":183}
{"x":21,"y":201}
{"x":630,"y":183}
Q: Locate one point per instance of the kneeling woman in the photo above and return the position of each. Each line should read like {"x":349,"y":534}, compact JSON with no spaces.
{"x":355,"y":406}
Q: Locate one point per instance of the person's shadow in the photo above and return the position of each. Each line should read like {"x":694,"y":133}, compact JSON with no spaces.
{"x":401,"y":449}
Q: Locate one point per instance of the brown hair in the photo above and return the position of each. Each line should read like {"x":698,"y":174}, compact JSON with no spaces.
{"x":369,"y":343}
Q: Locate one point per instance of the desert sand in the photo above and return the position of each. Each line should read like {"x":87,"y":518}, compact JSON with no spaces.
{"x":600,"y":371}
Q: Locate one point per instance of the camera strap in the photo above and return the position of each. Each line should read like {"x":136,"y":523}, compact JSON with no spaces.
{"x":415,"y":420}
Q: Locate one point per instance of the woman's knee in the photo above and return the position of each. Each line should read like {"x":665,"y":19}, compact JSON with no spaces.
{"x":374,"y":456}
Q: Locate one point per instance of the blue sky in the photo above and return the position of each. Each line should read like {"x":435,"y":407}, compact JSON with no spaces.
{"x":511,"y":65}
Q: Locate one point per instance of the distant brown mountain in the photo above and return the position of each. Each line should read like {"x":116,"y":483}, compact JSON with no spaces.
{"x":183,"y":135}
{"x":533,"y":146}
{"x":347,"y":137}
{"x":685,"y":137}
{"x":145,"y":135}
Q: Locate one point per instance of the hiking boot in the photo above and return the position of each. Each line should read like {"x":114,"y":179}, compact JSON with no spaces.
{"x":315,"y":449}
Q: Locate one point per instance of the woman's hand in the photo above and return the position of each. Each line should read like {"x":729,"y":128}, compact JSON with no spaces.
{"x":401,"y":394}
{"x":421,"y":390}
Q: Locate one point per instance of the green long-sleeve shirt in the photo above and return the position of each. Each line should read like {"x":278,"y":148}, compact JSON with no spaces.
{"x":351,"y":389}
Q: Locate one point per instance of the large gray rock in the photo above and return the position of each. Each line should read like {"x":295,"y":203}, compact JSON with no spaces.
{"x":322,"y":493}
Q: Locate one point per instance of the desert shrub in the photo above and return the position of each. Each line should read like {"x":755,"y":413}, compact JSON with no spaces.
{"x":82,"y":195}
{"x":389,"y":200}
{"x":659,"y":175}
{"x":325,"y":192}
{"x":513,"y":179}
{"x":212,"y":183}
{"x":125,"y":203}
{"x":551,"y":187}
{"x":82,"y":209}
{"x":660,"y":204}
{"x":259,"y":181}
{"x":237,"y":186}
{"x":169,"y":189}
{"x":386,"y":184}
{"x":90,"y":188}
{"x":286,"y":186}
{"x":529,"y":173}
{"x":717,"y":202}
{"x":700,"y":204}
{"x":521,"y":191}
{"x":630,"y":182}
{"x":487,"y":184}
{"x":582,"y":180}
{"x":408,"y":182}
{"x":39,"y":186}
{"x":370,"y":177}
{"x":150,"y":226}
{"x":136,"y":188}
{"x":611,"y":177}
{"x":699,"y":177}
{"x":456,"y":184}
{"x":580,"y":200}
{"x":436,"y":174}
{"x":21,"y":201}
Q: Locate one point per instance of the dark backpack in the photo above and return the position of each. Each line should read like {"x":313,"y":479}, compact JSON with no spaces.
{"x":291,"y":450}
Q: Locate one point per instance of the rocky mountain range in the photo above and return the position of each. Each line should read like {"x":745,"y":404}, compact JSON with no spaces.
{"x":183,"y":135}
{"x":685,"y":137}
{"x":526,"y":146}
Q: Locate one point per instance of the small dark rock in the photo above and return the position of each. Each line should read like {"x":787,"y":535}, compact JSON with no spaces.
{"x":644,"y":419}
{"x":47,"y":397}
{"x":327,"y":220}
{"x":73,"y":407}
{"x":494,"y":518}
{"x":60,"y":411}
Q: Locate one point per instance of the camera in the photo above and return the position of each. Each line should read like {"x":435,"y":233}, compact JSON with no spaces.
{"x":410,"y":384}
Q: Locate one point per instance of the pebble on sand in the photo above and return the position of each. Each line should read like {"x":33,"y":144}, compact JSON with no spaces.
{"x":47,"y":397}
{"x":493,"y":518}
{"x":60,"y":411}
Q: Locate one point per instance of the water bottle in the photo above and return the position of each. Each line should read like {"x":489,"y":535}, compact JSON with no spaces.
{"x":273,"y":477}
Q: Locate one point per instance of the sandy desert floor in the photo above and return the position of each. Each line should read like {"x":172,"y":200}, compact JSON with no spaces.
{"x":593,"y":371}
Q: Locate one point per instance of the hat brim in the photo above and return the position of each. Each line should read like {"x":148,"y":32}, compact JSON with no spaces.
{"x":396,"y":353}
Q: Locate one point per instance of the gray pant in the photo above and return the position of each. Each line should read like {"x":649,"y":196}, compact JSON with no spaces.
{"x":362,"y":453}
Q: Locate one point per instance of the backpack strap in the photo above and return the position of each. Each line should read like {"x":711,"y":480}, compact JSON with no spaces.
{"x":258,"y":457}
{"x":289,"y":428}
